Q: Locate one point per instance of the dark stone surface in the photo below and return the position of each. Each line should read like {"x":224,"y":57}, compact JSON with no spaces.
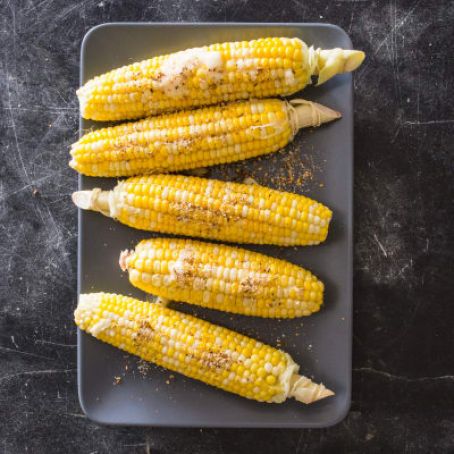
{"x":403,"y":376}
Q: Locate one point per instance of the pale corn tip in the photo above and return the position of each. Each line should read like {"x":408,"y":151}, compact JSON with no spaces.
{"x":305,"y":390}
{"x":354,"y":59}
{"x":89,"y":301}
{"x":324,"y":114}
{"x":88,"y":304}
{"x":123,"y":260}
{"x":94,"y":199}
{"x":303,"y":114}
{"x":83,"y":199}
{"x":336,"y":61}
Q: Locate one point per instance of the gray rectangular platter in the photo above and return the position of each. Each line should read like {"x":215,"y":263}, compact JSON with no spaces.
{"x":319,"y":163}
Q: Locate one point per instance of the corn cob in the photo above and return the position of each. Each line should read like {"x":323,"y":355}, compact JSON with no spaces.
{"x":212,"y":209}
{"x":222,"y":277}
{"x":195,"y":348}
{"x":196,"y":138}
{"x":209,"y":75}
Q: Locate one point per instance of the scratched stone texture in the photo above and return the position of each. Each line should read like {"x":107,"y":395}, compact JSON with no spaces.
{"x":403,"y":376}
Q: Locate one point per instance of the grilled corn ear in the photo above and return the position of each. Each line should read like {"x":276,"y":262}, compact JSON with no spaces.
{"x":195,"y":348}
{"x":211,"y":209}
{"x":195,"y":138}
{"x":222,"y":277}
{"x":212,"y":74}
